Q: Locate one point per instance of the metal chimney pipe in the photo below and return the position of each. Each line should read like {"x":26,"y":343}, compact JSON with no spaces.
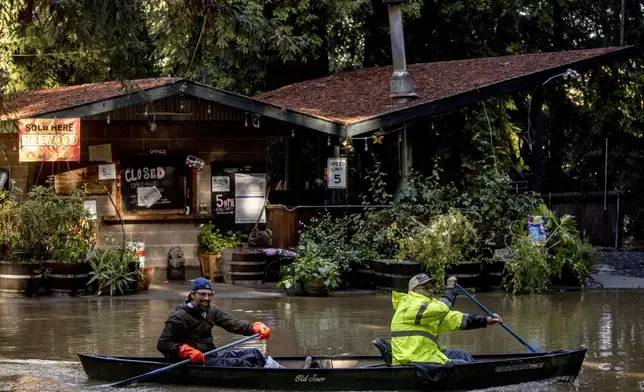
{"x":402,"y":83}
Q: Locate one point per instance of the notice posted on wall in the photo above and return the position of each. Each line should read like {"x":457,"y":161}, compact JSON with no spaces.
{"x":220,"y":184}
{"x":250,"y":190}
{"x":147,"y":196}
{"x":250,"y":184}
{"x":247,"y":210}
{"x":90,"y":206}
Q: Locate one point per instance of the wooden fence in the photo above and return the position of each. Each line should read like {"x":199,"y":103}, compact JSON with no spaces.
{"x":601,"y":226}
{"x":600,"y":218}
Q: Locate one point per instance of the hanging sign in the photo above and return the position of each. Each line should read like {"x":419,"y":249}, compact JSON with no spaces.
{"x":337,"y":176}
{"x":49,"y":139}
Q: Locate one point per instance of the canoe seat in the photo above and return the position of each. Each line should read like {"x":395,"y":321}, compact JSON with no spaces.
{"x":322,"y":364}
{"x":385,"y":349}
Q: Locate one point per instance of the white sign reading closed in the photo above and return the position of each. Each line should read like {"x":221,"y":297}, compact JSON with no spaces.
{"x":337,"y":173}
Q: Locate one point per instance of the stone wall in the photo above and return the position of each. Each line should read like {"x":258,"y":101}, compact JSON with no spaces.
{"x":158,"y":239}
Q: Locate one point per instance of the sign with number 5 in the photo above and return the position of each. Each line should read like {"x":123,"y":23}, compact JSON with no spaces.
{"x":107,"y":172}
{"x":337,"y":169}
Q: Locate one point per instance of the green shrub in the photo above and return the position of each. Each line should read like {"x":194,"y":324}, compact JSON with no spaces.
{"x":115,"y":269}
{"x":211,"y":240}
{"x":446,"y":239}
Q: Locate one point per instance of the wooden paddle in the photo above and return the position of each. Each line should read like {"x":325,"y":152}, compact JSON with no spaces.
{"x":174,"y":365}
{"x":480,"y":305}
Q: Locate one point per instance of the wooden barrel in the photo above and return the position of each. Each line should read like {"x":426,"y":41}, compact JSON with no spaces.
{"x":394,"y":275}
{"x":20,"y":280}
{"x":244,"y":266}
{"x":362,"y":277}
{"x":492,"y":273}
{"x":467,"y":274}
{"x":68,"y":279}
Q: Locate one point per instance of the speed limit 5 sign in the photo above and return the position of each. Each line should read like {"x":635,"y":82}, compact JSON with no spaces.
{"x":337,"y":173}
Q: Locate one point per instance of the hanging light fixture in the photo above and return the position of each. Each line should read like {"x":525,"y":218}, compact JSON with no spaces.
{"x":328,"y":141}
{"x":366,"y":143}
{"x":292,"y":132}
{"x":108,"y":119}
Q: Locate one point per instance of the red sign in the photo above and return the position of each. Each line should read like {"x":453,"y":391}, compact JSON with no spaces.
{"x":49,"y":139}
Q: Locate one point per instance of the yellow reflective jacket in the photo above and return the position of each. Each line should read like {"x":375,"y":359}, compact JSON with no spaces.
{"x":417,"y":322}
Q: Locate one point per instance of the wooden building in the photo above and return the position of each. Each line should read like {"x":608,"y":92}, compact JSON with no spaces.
{"x":157,"y":132}
{"x":140,"y":157}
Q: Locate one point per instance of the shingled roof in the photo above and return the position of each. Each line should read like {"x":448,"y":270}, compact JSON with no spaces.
{"x":91,"y":99}
{"x":345,"y":104}
{"x":34,"y":102}
{"x":353,"y":98}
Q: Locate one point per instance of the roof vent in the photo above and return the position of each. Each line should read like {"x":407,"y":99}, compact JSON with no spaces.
{"x":402,"y":83}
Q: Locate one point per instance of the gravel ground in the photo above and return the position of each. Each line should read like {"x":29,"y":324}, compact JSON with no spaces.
{"x":624,"y":263}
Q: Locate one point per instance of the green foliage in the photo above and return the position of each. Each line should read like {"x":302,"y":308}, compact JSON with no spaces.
{"x":445,"y":239}
{"x":49,"y":44}
{"x":377,"y":191}
{"x":328,"y":237}
{"x":492,"y":204}
{"x":115,"y":269}
{"x":54,"y":227}
{"x":532,"y":267}
{"x":310,"y":266}
{"x":212,"y":241}
{"x":232,"y":44}
{"x":374,"y":236}
{"x":529,"y":270}
{"x":9,"y":224}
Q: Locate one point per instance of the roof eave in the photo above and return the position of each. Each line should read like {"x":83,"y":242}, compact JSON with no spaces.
{"x":118,"y":102}
{"x":265,"y":109}
{"x":475,"y":95}
{"x":207,"y":93}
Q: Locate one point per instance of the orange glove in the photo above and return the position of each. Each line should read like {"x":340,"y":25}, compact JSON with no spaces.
{"x":263,"y":331}
{"x":195,"y":355}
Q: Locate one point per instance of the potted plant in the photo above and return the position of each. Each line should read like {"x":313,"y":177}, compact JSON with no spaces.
{"x":211,"y":243}
{"x":73,"y":233}
{"x":560,"y":258}
{"x":329,"y":237}
{"x":57,"y":232}
{"x":392,"y":272}
{"x":19,"y":276}
{"x":317,"y":275}
{"x":442,"y":245}
{"x":116,"y":270}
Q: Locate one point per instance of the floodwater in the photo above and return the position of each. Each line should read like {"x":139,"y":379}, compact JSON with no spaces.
{"x":39,"y":341}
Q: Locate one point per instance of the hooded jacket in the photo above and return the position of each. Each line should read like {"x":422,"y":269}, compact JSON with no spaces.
{"x":418,"y":321}
{"x":187,"y":325}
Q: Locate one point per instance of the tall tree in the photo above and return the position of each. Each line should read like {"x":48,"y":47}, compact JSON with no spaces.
{"x":48,"y":43}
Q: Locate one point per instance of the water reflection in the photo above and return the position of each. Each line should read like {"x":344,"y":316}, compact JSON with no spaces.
{"x":609,"y":324}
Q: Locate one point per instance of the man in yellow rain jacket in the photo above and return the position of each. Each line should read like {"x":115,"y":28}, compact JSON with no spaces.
{"x":419,"y":318}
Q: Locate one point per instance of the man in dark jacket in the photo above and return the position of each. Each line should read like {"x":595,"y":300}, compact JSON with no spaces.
{"x":188,"y":332}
